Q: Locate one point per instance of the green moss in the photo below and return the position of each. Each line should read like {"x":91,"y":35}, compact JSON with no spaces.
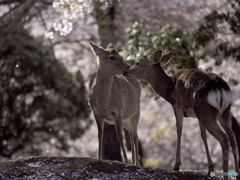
{"x":83,"y":162}
{"x":89,"y":161}
{"x":9,"y":165}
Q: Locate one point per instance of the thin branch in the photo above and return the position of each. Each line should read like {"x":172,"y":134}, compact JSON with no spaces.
{"x":5,"y":2}
{"x":10,"y":11}
{"x":21,"y":12}
{"x":71,"y":41}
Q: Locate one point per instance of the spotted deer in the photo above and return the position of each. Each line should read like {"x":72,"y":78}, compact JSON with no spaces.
{"x":192,"y":93}
{"x":114,"y":99}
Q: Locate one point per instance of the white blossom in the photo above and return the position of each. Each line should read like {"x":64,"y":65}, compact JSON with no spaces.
{"x":74,"y":10}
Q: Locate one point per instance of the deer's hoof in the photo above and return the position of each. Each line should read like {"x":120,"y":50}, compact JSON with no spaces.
{"x":176,"y":169}
{"x":176,"y":166}
{"x":210,"y":169}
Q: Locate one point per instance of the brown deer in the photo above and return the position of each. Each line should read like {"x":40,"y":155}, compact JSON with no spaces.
{"x":192,"y":93}
{"x":114,"y":99}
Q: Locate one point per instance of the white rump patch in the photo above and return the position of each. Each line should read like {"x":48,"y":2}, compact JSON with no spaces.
{"x":220,"y":99}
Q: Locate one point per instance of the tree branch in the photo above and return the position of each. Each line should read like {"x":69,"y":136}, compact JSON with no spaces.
{"x":19,"y":13}
{"x":71,"y":41}
{"x":5,"y":2}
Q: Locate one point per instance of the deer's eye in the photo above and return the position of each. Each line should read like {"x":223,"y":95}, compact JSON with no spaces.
{"x":137,"y":64}
{"x":112,"y":58}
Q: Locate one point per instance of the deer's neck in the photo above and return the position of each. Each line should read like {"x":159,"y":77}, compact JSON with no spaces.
{"x":159,"y":80}
{"x":103,"y":88}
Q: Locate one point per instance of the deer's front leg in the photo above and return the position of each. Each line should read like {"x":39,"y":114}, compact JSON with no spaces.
{"x":179,"y":119}
{"x":100,"y":124}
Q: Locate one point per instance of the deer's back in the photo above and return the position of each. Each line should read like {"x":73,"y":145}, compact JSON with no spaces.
{"x":192,"y":85}
{"x":198,"y":79}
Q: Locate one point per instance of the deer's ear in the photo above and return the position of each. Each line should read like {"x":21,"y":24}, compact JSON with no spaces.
{"x":165,"y":58}
{"x":97,"y":50}
{"x":110,"y":46}
{"x":155,"y":57}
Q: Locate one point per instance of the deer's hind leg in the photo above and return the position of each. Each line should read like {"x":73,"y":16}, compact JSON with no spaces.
{"x":208,"y":118}
{"x":225,"y":120}
{"x":119,"y":129}
{"x":134,"y":137}
{"x":204,"y":138}
{"x":131,"y":126}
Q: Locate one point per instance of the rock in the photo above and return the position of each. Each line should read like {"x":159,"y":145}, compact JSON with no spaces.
{"x":61,"y":168}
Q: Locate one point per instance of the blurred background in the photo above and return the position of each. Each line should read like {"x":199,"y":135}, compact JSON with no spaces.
{"x":46,"y":63}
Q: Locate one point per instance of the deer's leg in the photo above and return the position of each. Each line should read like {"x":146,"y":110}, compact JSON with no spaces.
{"x":226,"y":123}
{"x":119,"y":129}
{"x":134,"y":144}
{"x":132,"y":148}
{"x":210,"y":123}
{"x":204,"y":138}
{"x":179,"y":119}
{"x":100,"y":124}
{"x":134,"y":137}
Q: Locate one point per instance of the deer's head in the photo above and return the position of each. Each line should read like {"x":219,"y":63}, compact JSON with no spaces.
{"x":143,"y":68}
{"x":109,"y":60}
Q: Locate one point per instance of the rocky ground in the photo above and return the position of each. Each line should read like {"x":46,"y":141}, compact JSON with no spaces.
{"x":61,"y":168}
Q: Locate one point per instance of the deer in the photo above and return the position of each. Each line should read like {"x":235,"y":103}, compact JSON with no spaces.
{"x":192,"y":93}
{"x":114,"y":99}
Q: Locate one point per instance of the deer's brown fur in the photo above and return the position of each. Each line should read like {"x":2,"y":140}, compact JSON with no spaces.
{"x":114,"y":98}
{"x":192,"y":93}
